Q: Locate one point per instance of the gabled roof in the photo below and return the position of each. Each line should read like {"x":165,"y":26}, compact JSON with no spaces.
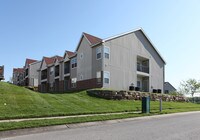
{"x":92,"y":39}
{"x":69,"y":53}
{"x":29,"y":61}
{"x":59,"y":58}
{"x":18,"y":70}
{"x":49,"y":60}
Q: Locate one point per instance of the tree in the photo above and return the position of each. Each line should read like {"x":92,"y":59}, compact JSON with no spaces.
{"x":191,"y":86}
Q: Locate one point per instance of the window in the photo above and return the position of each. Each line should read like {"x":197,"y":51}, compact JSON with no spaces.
{"x":74,"y":62}
{"x":107,"y":52}
{"x":106,"y":77}
{"x":98,"y":77}
{"x":73,"y":82}
{"x":98,"y":53}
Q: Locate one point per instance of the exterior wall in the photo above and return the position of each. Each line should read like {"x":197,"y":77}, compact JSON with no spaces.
{"x":87,"y":66}
{"x":34,"y":74}
{"x":62,"y":70}
{"x":156,"y":63}
{"x":51,"y":76}
{"x":15,"y":78}
{"x":73,"y":71}
{"x":84,"y":60}
{"x":41,"y":82}
{"x":122,"y":64}
{"x":88,"y":84}
{"x":96,"y":64}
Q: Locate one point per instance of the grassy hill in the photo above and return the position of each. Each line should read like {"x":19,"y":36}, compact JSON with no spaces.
{"x":19,"y":102}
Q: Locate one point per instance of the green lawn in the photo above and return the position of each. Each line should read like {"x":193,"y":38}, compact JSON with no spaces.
{"x":19,"y":102}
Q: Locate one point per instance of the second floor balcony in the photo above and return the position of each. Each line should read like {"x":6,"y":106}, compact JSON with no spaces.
{"x":142,"y":68}
{"x":142,"y":64}
{"x":56,"y":71}
{"x":67,"y":67}
{"x":44,"y":74}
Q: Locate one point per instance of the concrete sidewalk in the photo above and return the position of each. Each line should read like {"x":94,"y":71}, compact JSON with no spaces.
{"x":63,"y":117}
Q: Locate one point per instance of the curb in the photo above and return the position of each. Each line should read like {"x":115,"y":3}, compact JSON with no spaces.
{"x":19,"y":132}
{"x":63,"y":117}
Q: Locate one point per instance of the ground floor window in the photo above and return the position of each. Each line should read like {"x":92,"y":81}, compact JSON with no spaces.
{"x":106,"y":77}
{"x":73,"y":82}
{"x":98,"y":77}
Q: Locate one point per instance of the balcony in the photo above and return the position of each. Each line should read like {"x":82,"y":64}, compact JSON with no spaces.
{"x":26,"y":72}
{"x":142,"y":64}
{"x":67,"y":67}
{"x":142,"y":68}
{"x":56,"y":71}
{"x":44,"y":75}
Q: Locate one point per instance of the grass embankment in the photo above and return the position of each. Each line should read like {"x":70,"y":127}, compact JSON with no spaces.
{"x":19,"y":102}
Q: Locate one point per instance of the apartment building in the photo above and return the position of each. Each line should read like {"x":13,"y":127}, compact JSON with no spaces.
{"x":118,"y":62}
{"x":28,"y":75}
{"x":31,"y":72}
{"x":50,"y":73}
{"x":18,"y":76}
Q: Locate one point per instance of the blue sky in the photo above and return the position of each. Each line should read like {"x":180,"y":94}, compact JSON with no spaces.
{"x":37,"y":28}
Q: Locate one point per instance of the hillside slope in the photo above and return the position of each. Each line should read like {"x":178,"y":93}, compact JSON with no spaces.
{"x":19,"y":102}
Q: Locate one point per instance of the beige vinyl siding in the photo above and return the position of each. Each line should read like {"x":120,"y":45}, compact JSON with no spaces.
{"x":122,"y":64}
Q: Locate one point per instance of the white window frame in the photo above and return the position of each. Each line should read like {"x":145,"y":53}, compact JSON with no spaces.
{"x":98,"y":51}
{"x":105,"y":47}
{"x":73,"y":82}
{"x":105,"y":73}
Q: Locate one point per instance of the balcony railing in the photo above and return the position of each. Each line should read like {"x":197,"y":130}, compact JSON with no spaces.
{"x":143,"y":68}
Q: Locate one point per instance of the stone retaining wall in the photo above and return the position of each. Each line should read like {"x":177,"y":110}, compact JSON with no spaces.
{"x":135,"y":95}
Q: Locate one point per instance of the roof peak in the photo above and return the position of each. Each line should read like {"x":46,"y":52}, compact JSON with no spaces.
{"x":92,"y":39}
